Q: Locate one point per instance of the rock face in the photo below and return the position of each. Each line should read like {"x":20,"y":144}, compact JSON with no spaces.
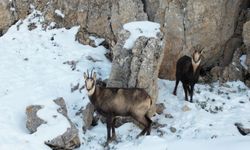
{"x":33,"y":121}
{"x":70,"y":138}
{"x":188,"y":23}
{"x":102,"y":18}
{"x":6,"y":16}
{"x":137,"y":66}
{"x":246,"y":33}
{"x":213,"y":24}
{"x":246,"y":37}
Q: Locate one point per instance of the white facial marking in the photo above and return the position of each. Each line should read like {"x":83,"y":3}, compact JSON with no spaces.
{"x":196,"y":61}
{"x":90,"y":87}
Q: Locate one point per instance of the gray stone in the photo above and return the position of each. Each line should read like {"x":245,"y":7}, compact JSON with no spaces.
{"x":69,"y":139}
{"x":33,"y":121}
{"x":160,"y":108}
{"x":173,"y":129}
{"x":88,"y":117}
{"x":139,"y":66}
{"x":246,"y":33}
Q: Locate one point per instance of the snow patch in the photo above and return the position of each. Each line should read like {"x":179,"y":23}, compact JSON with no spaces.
{"x":59,"y":13}
{"x":140,"y":28}
{"x":97,"y":41}
{"x":243,"y":61}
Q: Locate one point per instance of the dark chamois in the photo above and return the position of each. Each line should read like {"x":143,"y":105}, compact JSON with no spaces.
{"x":188,"y":71}
{"x":114,"y":102}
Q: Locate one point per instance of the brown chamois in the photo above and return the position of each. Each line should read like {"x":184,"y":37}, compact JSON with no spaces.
{"x":188,"y":71}
{"x":114,"y":102}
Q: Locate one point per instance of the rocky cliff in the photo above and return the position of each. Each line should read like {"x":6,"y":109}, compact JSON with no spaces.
{"x":217,"y":25}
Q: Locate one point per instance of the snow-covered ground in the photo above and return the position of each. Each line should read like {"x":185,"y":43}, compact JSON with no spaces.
{"x":35,"y":70}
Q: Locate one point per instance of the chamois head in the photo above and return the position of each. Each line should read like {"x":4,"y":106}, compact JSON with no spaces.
{"x":90,"y":82}
{"x":196,"y":57}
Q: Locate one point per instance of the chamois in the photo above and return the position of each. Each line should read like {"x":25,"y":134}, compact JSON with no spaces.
{"x":188,"y":71}
{"x":114,"y":102}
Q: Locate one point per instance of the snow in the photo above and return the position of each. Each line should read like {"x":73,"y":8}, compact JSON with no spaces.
{"x":33,"y":72}
{"x":243,"y":61}
{"x":140,"y":28}
{"x":97,"y":41}
{"x":59,"y":13}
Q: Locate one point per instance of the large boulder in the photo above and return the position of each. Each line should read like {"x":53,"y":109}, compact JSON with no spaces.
{"x":7,"y":15}
{"x":33,"y":121}
{"x":136,"y":63}
{"x":188,"y":23}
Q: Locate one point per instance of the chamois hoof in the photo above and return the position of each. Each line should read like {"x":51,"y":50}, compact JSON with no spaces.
{"x":113,"y":138}
{"x":174,"y":93}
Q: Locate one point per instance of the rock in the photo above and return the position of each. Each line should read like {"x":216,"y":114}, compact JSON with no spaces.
{"x":87,"y":114}
{"x":151,"y":7}
{"x":216,"y":73}
{"x":173,"y":129}
{"x":246,"y":37}
{"x":229,"y":50}
{"x":160,"y":108}
{"x":102,"y":18}
{"x":242,"y":130}
{"x":70,"y":138}
{"x":188,"y":23}
{"x":246,"y":33}
{"x":33,"y":121}
{"x":185,"y":108}
{"x":169,"y":116}
{"x":7,"y":16}
{"x":126,"y":11}
{"x":138,"y":66}
{"x":234,"y":71}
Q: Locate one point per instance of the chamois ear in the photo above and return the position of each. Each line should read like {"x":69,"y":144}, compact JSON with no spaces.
{"x":85,"y":76}
{"x":94,"y":76}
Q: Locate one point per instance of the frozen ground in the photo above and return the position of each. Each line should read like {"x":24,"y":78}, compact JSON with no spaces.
{"x":35,"y":69}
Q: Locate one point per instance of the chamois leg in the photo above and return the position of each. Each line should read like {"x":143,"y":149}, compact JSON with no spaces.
{"x":191,"y":93}
{"x":150,"y":124}
{"x":185,"y":88}
{"x":145,"y":123}
{"x":109,"y":124}
{"x":113,"y":129}
{"x":176,"y":85}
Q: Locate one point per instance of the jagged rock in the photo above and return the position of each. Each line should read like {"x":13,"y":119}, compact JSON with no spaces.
{"x":173,"y":129}
{"x":188,"y":23}
{"x":7,"y":16}
{"x":216,"y":73}
{"x":229,"y":50}
{"x":242,"y":130}
{"x":138,"y":66}
{"x":160,"y":108}
{"x":33,"y":121}
{"x":69,"y":139}
{"x":232,"y":72}
{"x":246,"y":37}
{"x":88,"y":117}
{"x":246,"y":33}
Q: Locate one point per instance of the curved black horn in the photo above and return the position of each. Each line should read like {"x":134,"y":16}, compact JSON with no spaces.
{"x":88,"y":72}
{"x":92,"y":72}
